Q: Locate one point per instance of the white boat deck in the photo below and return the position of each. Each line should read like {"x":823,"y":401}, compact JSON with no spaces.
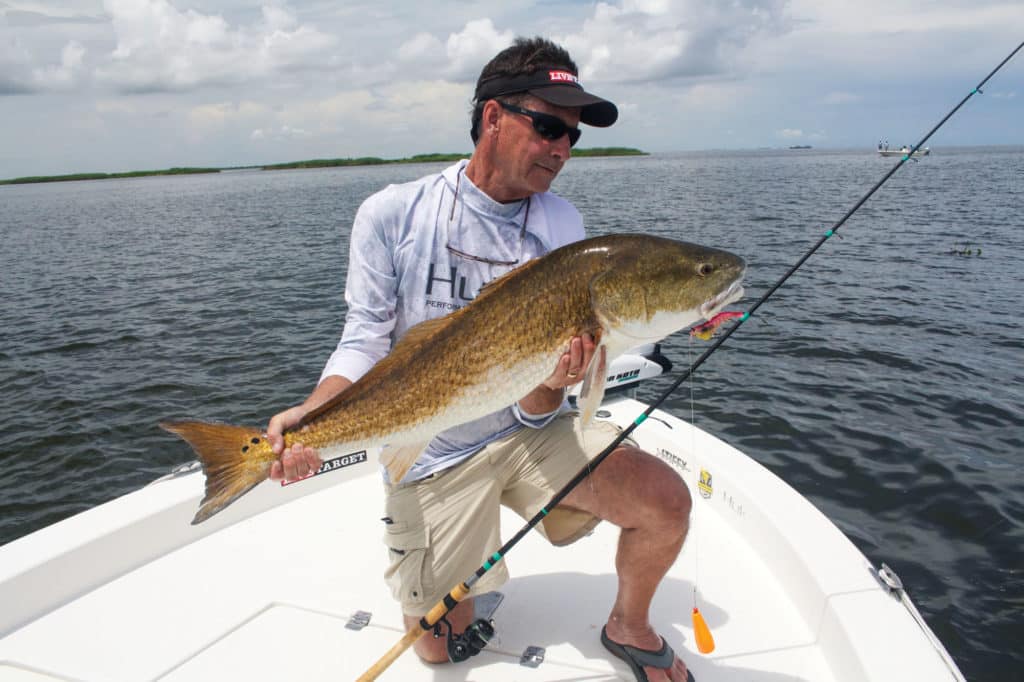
{"x":786,"y":595}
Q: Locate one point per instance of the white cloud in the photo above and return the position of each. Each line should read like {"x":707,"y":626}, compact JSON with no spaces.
{"x":279,"y":18}
{"x":61,"y":76}
{"x":367,"y":78}
{"x":472,"y":47}
{"x":160,"y":47}
{"x":436,"y":106}
{"x":222,"y":114}
{"x":639,"y":40}
{"x":904,"y":17}
{"x":15,"y":68}
{"x":889,"y":40}
{"x":423,"y":47}
{"x":629,"y":42}
{"x":18,"y":74}
{"x":282,"y":133}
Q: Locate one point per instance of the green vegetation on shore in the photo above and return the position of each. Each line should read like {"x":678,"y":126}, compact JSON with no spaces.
{"x":609,"y":151}
{"x":311,"y":163}
{"x":106,"y":176}
{"x":363,"y":161}
{"x":433,"y":158}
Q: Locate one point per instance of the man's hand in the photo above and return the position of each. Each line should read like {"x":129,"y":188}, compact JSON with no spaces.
{"x":299,"y":460}
{"x":571,"y":368}
{"x":573,"y":364}
{"x":296,"y":461}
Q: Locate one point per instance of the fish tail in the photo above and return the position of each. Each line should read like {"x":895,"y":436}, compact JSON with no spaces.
{"x":222,"y":450}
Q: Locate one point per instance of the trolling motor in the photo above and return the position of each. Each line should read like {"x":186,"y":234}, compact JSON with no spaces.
{"x":463,"y":646}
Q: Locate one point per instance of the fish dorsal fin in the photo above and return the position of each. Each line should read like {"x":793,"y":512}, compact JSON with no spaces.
{"x":412,"y":338}
{"x":592,"y":392}
{"x":498,"y":281}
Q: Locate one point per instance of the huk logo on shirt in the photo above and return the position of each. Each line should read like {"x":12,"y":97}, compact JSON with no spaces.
{"x":443,"y":281}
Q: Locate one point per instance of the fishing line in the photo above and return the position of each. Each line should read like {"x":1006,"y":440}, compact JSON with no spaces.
{"x":693,"y":450}
{"x":461,"y":591}
{"x":702,"y":634}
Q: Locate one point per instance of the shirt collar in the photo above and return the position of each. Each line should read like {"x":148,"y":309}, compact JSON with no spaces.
{"x":479,"y":201}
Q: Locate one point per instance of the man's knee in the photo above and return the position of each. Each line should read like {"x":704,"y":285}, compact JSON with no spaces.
{"x":432,"y":649}
{"x":666,"y":495}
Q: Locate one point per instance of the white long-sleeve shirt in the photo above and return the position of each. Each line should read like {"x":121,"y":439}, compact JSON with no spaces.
{"x":403,"y":270}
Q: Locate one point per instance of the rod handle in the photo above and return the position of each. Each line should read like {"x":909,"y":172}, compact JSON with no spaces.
{"x":392,"y":654}
{"x":427,"y":623}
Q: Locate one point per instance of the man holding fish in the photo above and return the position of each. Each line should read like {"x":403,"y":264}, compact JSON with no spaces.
{"x":422,"y":249}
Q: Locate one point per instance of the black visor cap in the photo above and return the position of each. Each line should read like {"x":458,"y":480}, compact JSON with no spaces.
{"x":554,"y":86}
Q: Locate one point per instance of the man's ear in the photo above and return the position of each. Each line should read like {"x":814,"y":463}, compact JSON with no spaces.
{"x":491,"y":115}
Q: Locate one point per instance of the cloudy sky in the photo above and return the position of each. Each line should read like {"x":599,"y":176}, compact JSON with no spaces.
{"x":111,"y":85}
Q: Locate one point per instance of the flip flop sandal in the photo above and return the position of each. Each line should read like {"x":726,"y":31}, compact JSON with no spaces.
{"x":640,"y":658}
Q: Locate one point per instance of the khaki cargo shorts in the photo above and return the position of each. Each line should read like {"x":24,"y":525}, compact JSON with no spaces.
{"x":445,"y":526}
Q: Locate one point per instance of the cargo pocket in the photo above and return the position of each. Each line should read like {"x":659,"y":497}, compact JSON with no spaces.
{"x":409,"y":573}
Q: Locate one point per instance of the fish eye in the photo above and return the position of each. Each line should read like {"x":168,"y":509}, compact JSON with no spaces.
{"x":705,"y":269}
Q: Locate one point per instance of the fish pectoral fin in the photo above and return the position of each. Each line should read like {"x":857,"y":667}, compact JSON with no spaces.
{"x":592,"y":392}
{"x":398,"y":459}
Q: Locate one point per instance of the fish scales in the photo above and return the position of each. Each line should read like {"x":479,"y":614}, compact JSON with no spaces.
{"x":524,"y":317}
{"x":623,"y":289}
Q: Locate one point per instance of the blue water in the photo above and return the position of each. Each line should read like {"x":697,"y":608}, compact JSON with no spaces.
{"x":883,"y":381}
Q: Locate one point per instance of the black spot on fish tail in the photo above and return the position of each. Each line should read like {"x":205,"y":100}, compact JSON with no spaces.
{"x":229,"y":473}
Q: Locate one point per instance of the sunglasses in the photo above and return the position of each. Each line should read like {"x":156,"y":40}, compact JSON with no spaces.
{"x":547,"y":126}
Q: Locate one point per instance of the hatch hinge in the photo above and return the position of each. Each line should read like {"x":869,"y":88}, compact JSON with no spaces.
{"x":532,"y":657}
{"x":359,"y":620}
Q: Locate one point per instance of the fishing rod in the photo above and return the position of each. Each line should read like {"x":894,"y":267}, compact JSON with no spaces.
{"x":460,"y":591}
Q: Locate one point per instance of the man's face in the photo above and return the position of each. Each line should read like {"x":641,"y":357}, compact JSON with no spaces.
{"x":529,"y":161}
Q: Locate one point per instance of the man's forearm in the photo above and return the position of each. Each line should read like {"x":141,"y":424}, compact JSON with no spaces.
{"x":541,"y":400}
{"x":325,"y":390}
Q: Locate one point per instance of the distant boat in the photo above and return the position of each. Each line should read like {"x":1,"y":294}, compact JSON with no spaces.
{"x":885,"y":151}
{"x":800,"y":146}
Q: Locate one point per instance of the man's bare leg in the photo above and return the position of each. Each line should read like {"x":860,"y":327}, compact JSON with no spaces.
{"x":651,"y":504}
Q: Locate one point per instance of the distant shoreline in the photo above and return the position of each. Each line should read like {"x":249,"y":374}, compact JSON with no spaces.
{"x":310,"y":163}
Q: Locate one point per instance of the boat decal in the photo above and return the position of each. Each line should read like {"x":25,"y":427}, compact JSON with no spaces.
{"x":673,"y":459}
{"x":625,"y":376}
{"x":332,"y":464}
{"x":704,"y":484}
{"x":734,"y":504}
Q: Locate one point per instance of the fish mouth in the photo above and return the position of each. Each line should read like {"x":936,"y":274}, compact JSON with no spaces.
{"x":712,"y":307}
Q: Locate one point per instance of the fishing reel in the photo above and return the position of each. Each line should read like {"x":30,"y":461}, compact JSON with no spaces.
{"x":469,"y":643}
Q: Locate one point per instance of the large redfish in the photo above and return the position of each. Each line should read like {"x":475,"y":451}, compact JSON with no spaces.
{"x":625,"y":290}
